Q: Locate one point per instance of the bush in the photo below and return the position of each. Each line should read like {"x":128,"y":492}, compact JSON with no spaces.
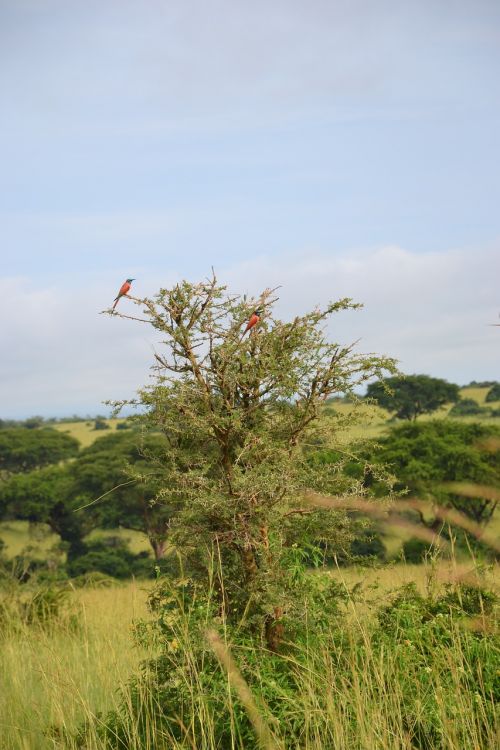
{"x":111,"y":557}
{"x":368,"y":544}
{"x":416,"y":550}
{"x":122,"y":425}
{"x":466,"y":407}
{"x":101,"y":424}
{"x":419,"y":654}
{"x":494,"y":393}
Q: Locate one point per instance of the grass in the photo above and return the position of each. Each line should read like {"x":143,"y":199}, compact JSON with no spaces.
{"x":54,"y":678}
{"x":84,"y":431}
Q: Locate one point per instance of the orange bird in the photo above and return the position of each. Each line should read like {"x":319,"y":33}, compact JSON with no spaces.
{"x":124,"y":289}
{"x":254,"y":319}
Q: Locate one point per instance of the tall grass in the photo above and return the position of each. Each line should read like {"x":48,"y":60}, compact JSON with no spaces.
{"x":368,"y":682}
{"x":60,"y":671}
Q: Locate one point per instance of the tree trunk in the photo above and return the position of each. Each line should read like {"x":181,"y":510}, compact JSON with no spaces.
{"x":249,"y":562}
{"x":159,"y":546}
{"x":274,"y":629}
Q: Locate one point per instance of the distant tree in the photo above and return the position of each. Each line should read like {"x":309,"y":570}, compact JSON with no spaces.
{"x":101,"y":424}
{"x":412,"y":395}
{"x":111,"y":484}
{"x":23,"y":450}
{"x":480,"y":384}
{"x":466,"y":407}
{"x":32,"y":423}
{"x":494,"y":393}
{"x":123,"y":469}
{"x":8,"y":423}
{"x":425,"y":456}
{"x":47,"y":496}
{"x":123,"y":425}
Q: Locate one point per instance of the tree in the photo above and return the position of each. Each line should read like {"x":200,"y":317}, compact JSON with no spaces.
{"x":411,"y":395}
{"x":47,"y":496}
{"x":101,"y":424}
{"x":425,"y":457}
{"x":494,"y":393}
{"x":236,"y":412}
{"x":121,"y":468}
{"x":466,"y":407}
{"x":22,"y":450}
{"x":96,"y":490}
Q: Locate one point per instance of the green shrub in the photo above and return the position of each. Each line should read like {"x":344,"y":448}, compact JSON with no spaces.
{"x":101,"y":424}
{"x":418,"y":665}
{"x":494,"y":393}
{"x":467,"y":407}
{"x":368,"y":544}
{"x":111,"y":557}
{"x":416,"y":550}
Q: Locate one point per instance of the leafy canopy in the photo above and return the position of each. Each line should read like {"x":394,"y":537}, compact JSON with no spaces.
{"x":411,"y":395}
{"x":22,"y":450}
{"x":425,"y":456}
{"x":237,"y":412}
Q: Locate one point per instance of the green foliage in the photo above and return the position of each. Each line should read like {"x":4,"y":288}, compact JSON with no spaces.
{"x":110,"y":484}
{"x":44,"y":607}
{"x":24,"y":450}
{"x":236,"y":413}
{"x":33,"y":423}
{"x":425,"y":456}
{"x":112,"y":558}
{"x":416,"y":550}
{"x":101,"y":424}
{"x":123,"y":425}
{"x":466,"y":407}
{"x":368,"y":544}
{"x":47,"y":496}
{"x":416,"y":667}
{"x":494,"y":393}
{"x":121,"y":469}
{"x":411,"y":395}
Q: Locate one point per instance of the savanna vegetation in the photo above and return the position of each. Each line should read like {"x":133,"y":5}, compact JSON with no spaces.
{"x":280,"y":513}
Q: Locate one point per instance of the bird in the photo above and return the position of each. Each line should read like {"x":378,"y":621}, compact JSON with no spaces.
{"x":124,"y":289}
{"x":254,"y":319}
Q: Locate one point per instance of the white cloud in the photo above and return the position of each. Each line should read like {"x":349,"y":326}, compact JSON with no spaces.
{"x":428,"y":310}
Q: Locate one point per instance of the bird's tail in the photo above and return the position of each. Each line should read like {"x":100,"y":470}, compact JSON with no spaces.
{"x":116,"y":302}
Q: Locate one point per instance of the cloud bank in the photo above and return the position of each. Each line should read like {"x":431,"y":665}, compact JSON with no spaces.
{"x":430,"y":311}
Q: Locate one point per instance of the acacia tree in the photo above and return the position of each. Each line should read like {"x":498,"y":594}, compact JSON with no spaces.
{"x":47,"y":496}
{"x":411,"y":395}
{"x":23,"y":450}
{"x":237,"y":411}
{"x":434,"y":459}
{"x":101,"y":472}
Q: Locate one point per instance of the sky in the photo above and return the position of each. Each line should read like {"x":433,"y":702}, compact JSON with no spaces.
{"x":336,"y":148}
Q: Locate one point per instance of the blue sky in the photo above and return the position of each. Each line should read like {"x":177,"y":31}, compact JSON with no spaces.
{"x":331,"y":147}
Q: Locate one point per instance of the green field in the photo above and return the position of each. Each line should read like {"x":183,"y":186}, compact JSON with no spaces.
{"x":84,"y":432}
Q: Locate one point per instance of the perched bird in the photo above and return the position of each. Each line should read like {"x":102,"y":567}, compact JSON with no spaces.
{"x":124,"y":289}
{"x":254,"y":319}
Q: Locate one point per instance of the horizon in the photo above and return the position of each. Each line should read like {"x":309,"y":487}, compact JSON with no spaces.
{"x":125,"y":413}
